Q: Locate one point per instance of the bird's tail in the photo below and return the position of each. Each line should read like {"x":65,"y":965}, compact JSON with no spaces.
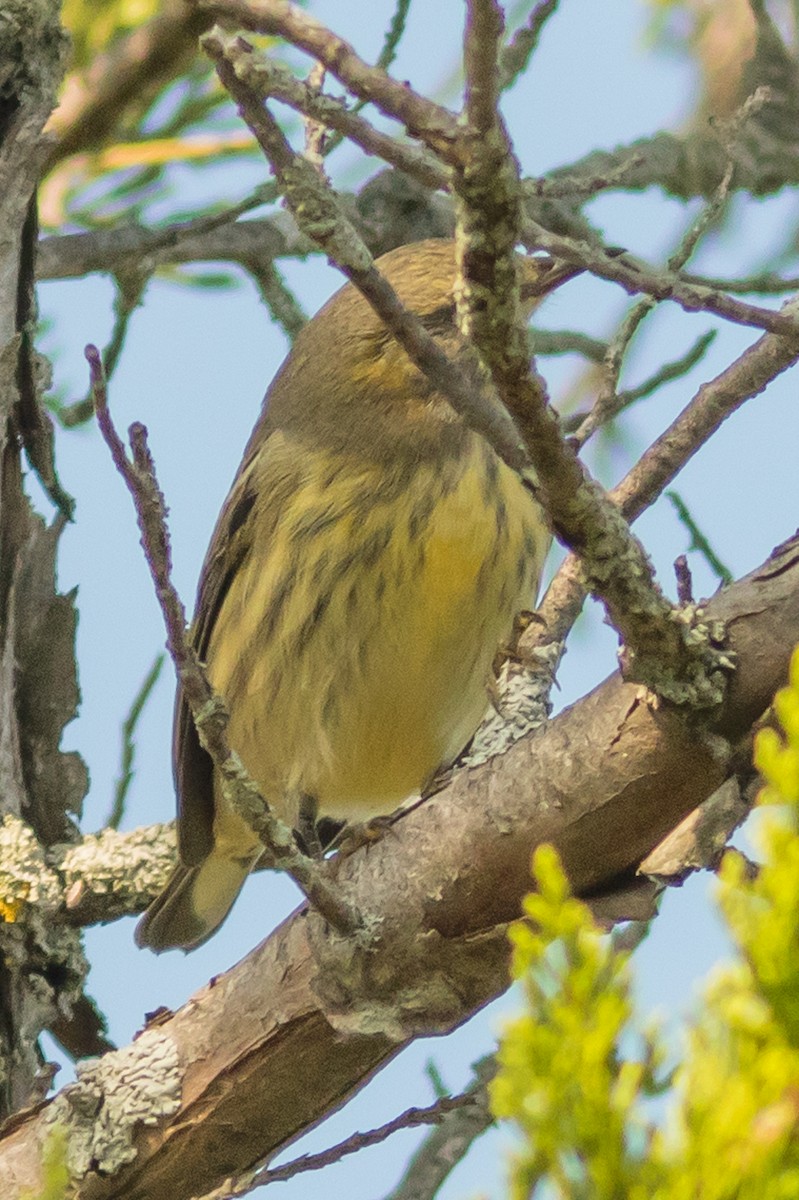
{"x":194,"y":903}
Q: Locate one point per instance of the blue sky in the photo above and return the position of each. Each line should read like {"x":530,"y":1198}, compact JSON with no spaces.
{"x":194,"y":371}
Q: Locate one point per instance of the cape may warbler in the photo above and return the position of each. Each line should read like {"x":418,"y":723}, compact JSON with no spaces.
{"x":366,"y":566}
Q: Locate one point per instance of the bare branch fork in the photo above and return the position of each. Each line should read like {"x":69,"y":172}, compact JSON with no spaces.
{"x":319,"y":216}
{"x":207,"y":708}
{"x":714,"y":402}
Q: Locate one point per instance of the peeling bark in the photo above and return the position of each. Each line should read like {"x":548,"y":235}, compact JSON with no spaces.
{"x":41,"y":967}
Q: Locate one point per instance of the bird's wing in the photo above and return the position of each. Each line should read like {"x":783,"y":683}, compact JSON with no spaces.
{"x":263,"y":479}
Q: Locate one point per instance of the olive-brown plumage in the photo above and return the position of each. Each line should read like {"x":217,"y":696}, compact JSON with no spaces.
{"x":368,"y":562}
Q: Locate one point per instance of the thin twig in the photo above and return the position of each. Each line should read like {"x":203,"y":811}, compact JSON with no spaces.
{"x":448,"y":1143}
{"x":563,"y":187}
{"x":394,"y":35}
{"x":129,"y":746}
{"x":129,"y":285}
{"x":670,"y":370}
{"x":765,"y":282}
{"x":549,"y":342}
{"x":278,"y":297}
{"x":412,"y":1118}
{"x":636,"y":276}
{"x":714,"y":402}
{"x":515,"y":57}
{"x":431,"y":123}
{"x":215,"y":237}
{"x":207,"y":708}
{"x":268,"y":78}
{"x":391,"y":42}
{"x":433,"y":1073}
{"x":610,"y":402}
{"x":667,"y":373}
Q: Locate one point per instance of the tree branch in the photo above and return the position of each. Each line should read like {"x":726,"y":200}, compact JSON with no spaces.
{"x":672,"y":654}
{"x":636,"y":276}
{"x":280,"y":1039}
{"x":268,"y":79}
{"x":716,"y":400}
{"x":447,"y":1145}
{"x":412,"y":1118}
{"x":428,"y":122}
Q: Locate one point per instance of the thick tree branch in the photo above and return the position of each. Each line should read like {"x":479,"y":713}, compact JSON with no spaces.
{"x":304,"y":1020}
{"x":110,"y":875}
{"x":42,"y":968}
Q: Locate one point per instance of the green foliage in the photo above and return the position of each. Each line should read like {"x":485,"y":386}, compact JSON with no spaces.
{"x":95,"y":27}
{"x":698,"y":540}
{"x":129,"y":164}
{"x":561,"y":1076}
{"x":567,"y":1078}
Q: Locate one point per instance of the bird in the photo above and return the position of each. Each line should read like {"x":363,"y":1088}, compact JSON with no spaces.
{"x":366,"y":567}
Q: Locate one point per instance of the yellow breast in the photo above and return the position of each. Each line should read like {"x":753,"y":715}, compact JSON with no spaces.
{"x":354,"y":650}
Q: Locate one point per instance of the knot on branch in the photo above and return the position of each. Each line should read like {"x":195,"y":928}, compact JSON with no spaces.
{"x":411,"y":981}
{"x":695,"y":673}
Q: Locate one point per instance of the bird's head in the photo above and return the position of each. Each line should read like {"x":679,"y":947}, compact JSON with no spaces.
{"x":349,"y":383}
